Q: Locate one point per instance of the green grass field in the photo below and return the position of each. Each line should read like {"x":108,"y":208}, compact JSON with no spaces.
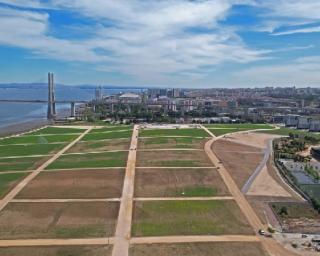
{"x":107,"y":159}
{"x":104,"y":136}
{"x":219,"y":132}
{"x":197,"y":191}
{"x":173,"y":132}
{"x":112,"y":128}
{"x":55,"y":130}
{"x":286,"y":131}
{"x":27,"y":150}
{"x":240,"y":126}
{"x":165,"y":218}
{"x":221,"y":129}
{"x":8,"y":180}
{"x":21,"y":164}
{"x":35,"y":139}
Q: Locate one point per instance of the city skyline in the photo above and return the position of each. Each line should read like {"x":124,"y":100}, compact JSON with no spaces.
{"x":166,"y":43}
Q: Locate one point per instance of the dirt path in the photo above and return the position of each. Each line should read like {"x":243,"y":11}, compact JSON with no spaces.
{"x":208,"y":131}
{"x":174,"y":167}
{"x":183,"y":198}
{"x":193,"y":239}
{"x":32,"y":175}
{"x":56,"y":242}
{"x":123,"y":229}
{"x":170,"y":149}
{"x":134,"y":240}
{"x":65,"y":200}
{"x":273,"y":248}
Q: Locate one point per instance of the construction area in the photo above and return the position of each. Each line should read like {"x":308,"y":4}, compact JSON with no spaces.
{"x":139,"y":190}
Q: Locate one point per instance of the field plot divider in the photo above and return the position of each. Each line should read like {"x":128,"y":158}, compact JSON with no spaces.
{"x":33,"y":174}
{"x":123,"y":228}
{"x":208,"y":131}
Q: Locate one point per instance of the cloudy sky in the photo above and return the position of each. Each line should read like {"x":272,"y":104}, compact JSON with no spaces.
{"x":174,"y":43}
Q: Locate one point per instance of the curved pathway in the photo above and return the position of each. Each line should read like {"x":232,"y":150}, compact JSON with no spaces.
{"x":272,"y":247}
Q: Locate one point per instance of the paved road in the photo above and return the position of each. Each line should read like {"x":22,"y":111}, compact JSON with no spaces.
{"x":33,"y":174}
{"x":272,"y":247}
{"x":123,"y":229}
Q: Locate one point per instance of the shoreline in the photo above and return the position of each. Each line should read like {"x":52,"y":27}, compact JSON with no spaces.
{"x":24,"y":126}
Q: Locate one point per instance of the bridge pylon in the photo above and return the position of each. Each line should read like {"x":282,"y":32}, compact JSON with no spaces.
{"x":51,"y":113}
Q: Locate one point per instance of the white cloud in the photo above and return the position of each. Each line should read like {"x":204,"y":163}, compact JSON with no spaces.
{"x":301,"y":72}
{"x":147,"y":39}
{"x":306,"y":9}
{"x":279,"y":14}
{"x":296,"y":31}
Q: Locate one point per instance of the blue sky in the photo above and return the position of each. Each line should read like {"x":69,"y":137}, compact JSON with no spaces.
{"x":172,"y":43}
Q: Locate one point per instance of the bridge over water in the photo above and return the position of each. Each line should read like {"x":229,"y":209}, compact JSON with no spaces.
{"x":51,"y":112}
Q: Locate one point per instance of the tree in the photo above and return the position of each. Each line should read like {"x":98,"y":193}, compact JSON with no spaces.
{"x":283,"y":211}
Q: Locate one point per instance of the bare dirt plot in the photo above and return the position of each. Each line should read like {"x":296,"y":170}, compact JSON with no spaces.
{"x":116,"y":144}
{"x":75,"y":184}
{"x":178,"y":182}
{"x":240,"y":160}
{"x":165,"y":218}
{"x":58,"y":220}
{"x":163,"y":142}
{"x":173,"y":158}
{"x":199,"y":249}
{"x":57,"y":251}
{"x":253,"y":139}
{"x":265,"y":185}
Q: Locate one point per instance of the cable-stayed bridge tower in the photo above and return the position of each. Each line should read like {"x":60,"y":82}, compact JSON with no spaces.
{"x":51,"y":113}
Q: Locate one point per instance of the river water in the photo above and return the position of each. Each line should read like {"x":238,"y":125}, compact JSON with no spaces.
{"x":14,"y":113}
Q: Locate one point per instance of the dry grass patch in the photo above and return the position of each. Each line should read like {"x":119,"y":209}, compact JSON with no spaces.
{"x":240,"y":160}
{"x":75,"y":184}
{"x":163,"y":142}
{"x":57,"y":251}
{"x":173,"y":158}
{"x":96,"y":146}
{"x":58,"y":220}
{"x":199,"y":249}
{"x":178,"y":182}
